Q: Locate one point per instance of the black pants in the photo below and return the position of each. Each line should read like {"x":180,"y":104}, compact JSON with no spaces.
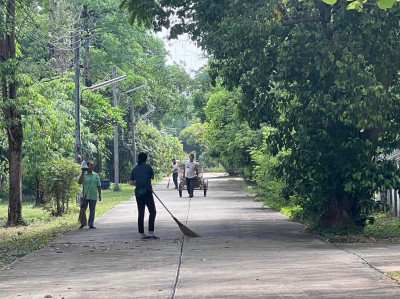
{"x":143,"y":201}
{"x":190,"y":185}
{"x":175,"y":178}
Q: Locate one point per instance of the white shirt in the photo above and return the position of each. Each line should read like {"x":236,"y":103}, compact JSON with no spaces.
{"x":190,"y":171}
{"x":174,"y":167}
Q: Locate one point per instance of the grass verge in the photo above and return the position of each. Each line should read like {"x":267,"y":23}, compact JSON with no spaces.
{"x":18,"y":241}
{"x":385,"y":229}
{"x":395,"y":276}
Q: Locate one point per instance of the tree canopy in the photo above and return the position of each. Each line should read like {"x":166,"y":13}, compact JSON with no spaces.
{"x":38,"y":51}
{"x":324,"y":76}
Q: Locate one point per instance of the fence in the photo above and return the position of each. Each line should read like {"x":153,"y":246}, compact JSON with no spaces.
{"x":391,"y":198}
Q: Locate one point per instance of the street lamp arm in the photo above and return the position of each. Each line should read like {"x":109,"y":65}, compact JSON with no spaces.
{"x":133,"y":89}
{"x":106,"y":83}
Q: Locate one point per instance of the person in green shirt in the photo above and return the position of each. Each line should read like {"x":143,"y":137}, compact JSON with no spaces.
{"x":91,"y":190}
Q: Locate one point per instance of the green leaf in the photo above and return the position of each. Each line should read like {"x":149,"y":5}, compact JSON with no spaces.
{"x":330,"y":2}
{"x":353,"y":5}
{"x":384,"y":4}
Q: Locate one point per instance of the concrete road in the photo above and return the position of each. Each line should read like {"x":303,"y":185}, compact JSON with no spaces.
{"x":246,"y":251}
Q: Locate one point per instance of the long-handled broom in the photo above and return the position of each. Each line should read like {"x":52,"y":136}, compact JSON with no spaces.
{"x":184,"y":229}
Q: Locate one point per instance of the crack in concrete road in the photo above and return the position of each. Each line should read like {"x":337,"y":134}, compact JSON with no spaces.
{"x":247,"y":251}
{"x":180,"y":256}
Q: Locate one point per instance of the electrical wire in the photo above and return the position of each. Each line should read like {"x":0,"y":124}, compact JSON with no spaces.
{"x":36,"y":39}
{"x":48,"y":28}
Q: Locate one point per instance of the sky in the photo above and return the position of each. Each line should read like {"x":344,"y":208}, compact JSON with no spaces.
{"x":184,"y":52}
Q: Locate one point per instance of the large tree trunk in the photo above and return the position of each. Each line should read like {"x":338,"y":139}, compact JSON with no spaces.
{"x":15,"y":199}
{"x":12,"y":118}
{"x":344,"y":210}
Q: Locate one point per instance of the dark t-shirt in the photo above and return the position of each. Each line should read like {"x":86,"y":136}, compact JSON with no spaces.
{"x":142,"y":175}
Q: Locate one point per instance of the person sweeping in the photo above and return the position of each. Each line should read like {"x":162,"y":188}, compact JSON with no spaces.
{"x":141,"y":177}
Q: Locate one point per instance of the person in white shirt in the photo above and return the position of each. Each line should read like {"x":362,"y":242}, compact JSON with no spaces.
{"x":189,"y":172}
{"x":174,"y":170}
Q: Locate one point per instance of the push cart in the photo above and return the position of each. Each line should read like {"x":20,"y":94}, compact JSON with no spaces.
{"x":200,"y":183}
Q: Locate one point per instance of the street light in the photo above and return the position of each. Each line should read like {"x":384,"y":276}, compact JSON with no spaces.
{"x":106,"y":83}
{"x":78,"y":143}
{"x":132,"y":122}
{"x":133,"y":89}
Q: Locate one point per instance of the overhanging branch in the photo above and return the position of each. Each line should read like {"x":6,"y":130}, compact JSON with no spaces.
{"x":302,"y":20}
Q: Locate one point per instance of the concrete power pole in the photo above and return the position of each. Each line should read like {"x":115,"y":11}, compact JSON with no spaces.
{"x":133,"y":121}
{"x":76,"y":45}
{"x":116,"y":136}
{"x":86,"y":69}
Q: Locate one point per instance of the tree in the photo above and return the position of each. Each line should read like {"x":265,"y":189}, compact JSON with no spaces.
{"x":359,"y":4}
{"x":324,"y":76}
{"x":228,"y":136}
{"x":159,"y":146}
{"x":195,"y":135}
{"x":12,"y":116}
{"x":200,"y":90}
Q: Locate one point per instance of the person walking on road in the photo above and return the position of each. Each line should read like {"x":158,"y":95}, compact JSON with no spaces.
{"x":174,"y":171}
{"x":189,"y":172}
{"x":141,"y":177}
{"x":91,"y":192}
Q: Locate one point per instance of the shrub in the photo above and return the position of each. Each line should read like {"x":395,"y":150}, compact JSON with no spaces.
{"x":60,"y":183}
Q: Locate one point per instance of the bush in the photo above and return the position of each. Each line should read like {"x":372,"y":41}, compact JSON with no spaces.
{"x":60,"y":183}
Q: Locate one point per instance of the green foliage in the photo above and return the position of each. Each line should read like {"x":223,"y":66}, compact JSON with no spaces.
{"x":229,"y":138}
{"x":359,"y":4}
{"x":332,"y":100}
{"x":160,"y":148}
{"x":49,"y":127}
{"x":100,"y":117}
{"x":60,"y":183}
{"x":201,"y":90}
{"x":43,"y":73}
{"x":395,"y":276}
{"x":31,"y":213}
{"x":195,"y":135}
{"x":42,"y":228}
{"x":218,"y":168}
{"x":295,"y":213}
{"x":270,"y":188}
{"x":384,"y":227}
{"x":384,"y":4}
{"x":48,"y":131}
{"x":330,"y":2}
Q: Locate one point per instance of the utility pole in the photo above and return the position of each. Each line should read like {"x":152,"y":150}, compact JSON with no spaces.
{"x":133,"y":121}
{"x":86,"y":70}
{"x":116,"y":136}
{"x":76,"y":45}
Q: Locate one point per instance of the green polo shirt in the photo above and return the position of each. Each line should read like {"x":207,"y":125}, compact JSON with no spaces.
{"x":90,"y":183}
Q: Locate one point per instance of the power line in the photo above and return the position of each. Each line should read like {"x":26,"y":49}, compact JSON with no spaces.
{"x":39,"y":40}
{"x":47,"y":27}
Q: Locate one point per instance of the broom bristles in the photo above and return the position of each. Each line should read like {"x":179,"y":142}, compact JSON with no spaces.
{"x":185,"y":230}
